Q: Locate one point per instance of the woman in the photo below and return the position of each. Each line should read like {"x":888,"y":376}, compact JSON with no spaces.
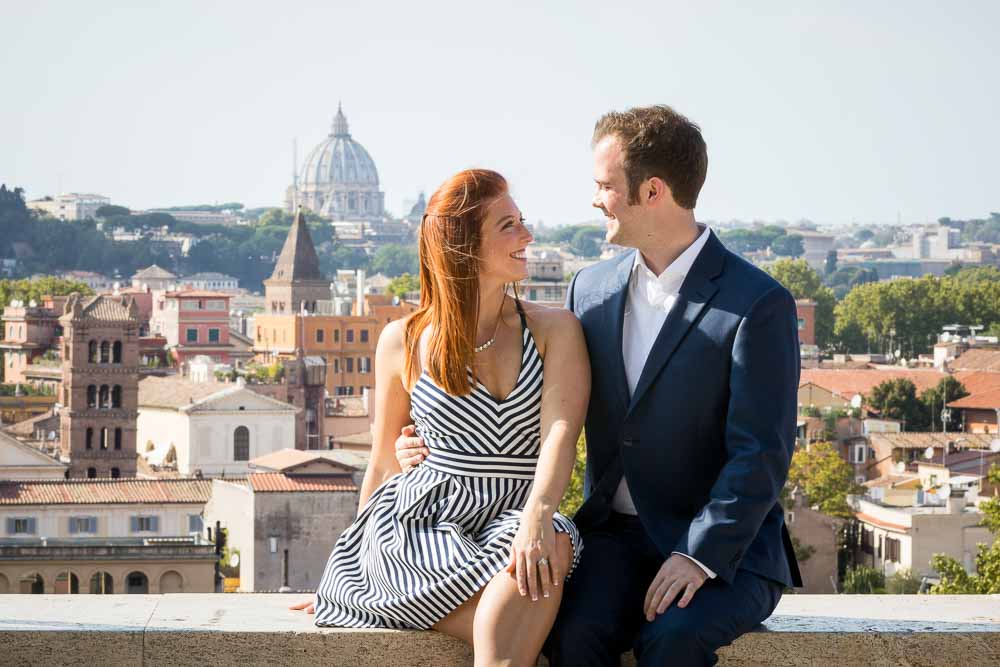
{"x":469,"y":543}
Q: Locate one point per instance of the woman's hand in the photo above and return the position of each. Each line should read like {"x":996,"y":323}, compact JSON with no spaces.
{"x":533,"y":561}
{"x":309,"y":607}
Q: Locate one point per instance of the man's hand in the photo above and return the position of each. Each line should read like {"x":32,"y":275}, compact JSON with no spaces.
{"x":678,"y":575}
{"x":410,"y":450}
{"x":309,"y":607}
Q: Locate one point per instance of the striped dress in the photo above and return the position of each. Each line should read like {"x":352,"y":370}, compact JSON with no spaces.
{"x":429,"y":539}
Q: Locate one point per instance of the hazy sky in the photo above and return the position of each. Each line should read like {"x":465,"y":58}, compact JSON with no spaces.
{"x":834,"y":111}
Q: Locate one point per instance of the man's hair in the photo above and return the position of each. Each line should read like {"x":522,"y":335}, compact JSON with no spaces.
{"x":658,"y":141}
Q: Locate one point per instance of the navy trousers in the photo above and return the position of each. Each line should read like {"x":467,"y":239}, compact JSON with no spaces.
{"x":601,"y":615}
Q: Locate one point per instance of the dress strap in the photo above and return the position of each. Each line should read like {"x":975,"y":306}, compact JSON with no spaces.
{"x":520,"y":312}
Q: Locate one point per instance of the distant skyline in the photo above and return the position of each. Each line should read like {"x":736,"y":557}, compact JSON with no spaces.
{"x":835,"y":112}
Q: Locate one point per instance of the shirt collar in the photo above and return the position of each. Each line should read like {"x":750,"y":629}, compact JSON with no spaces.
{"x":677,"y":270}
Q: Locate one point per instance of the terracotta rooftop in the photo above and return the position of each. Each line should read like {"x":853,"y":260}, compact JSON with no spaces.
{"x":848,"y":382}
{"x":153,"y":271}
{"x":106,"y":309}
{"x":346,"y":406}
{"x":105,"y":491}
{"x":984,"y":400}
{"x":276,"y":482}
{"x":977,"y":360}
{"x":284,"y":459}
{"x":26,"y":428}
{"x":362,"y":438}
{"x":978,"y":382}
{"x":925,"y":440}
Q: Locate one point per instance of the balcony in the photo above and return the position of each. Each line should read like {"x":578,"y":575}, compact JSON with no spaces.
{"x":246,"y":629}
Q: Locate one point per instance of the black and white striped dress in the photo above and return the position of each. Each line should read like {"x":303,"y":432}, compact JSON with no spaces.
{"x":429,"y":539}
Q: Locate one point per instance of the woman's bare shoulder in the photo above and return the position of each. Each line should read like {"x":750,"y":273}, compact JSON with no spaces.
{"x":550,"y":323}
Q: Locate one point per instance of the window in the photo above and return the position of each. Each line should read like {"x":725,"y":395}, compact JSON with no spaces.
{"x":241,"y":444}
{"x":213,"y":335}
{"x":105,"y":396}
{"x":349,"y":363}
{"x":21,"y":526}
{"x":859,"y":453}
{"x":216,"y":304}
{"x":83,"y":524}
{"x":92,"y":351}
{"x":116,"y":396}
{"x":364,"y":335}
{"x":91,"y":396}
{"x":349,"y":336}
{"x":104,"y":438}
{"x":89,"y":443}
{"x":91,"y":473}
{"x":802,"y":324}
{"x":115,"y":473}
{"x":364,"y":364}
{"x":116,"y":352}
{"x":105,"y":352}
{"x":118,"y":444}
{"x":191,"y":335}
{"x":190,"y":305}
{"x":336,"y":335}
{"x":319,"y":335}
{"x":789,"y":518}
{"x":892,"y":549}
{"x":195,"y":523}
{"x":145,"y":524}
{"x":336,"y":365}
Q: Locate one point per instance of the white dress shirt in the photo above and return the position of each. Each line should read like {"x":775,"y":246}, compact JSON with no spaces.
{"x":650,"y":298}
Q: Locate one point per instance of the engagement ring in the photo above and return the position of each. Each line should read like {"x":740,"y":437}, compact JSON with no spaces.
{"x":543,"y":561}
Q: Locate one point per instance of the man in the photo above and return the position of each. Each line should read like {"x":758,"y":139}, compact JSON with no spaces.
{"x":691,"y":424}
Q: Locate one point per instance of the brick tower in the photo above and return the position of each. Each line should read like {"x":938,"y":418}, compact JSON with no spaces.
{"x":100,"y":388}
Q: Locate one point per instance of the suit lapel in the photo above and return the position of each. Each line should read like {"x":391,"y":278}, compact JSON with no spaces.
{"x":616,"y":291}
{"x":695,"y":293}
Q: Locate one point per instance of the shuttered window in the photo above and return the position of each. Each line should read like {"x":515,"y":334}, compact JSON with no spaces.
{"x":21,"y":526}
{"x":82,"y":524}
{"x":145,"y":524}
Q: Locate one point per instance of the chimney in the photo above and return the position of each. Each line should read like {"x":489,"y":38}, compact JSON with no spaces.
{"x":360,"y":291}
{"x":956,"y":501}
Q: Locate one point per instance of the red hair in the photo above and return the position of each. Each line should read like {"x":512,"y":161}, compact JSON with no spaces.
{"x":449,"y":243}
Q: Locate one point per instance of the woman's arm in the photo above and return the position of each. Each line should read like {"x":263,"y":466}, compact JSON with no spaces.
{"x":565,"y":394}
{"x":392,"y":410}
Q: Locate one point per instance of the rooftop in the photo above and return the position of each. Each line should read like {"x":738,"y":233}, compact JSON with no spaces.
{"x":285,"y":459}
{"x":978,"y":360}
{"x":277,"y":482}
{"x":847,"y":381}
{"x":105,"y":491}
{"x":928,"y":439}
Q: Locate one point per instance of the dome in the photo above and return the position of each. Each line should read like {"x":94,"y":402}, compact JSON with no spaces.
{"x":339,"y":160}
{"x":338,"y":179}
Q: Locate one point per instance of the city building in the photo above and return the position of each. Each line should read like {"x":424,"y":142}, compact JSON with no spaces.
{"x":891,"y":539}
{"x":195,"y":322}
{"x":70,"y":206}
{"x":95,"y":281}
{"x":227,"y":218}
{"x":29,"y":332}
{"x":153,"y":277}
{"x":19,"y":461}
{"x":210,"y":429}
{"x":105,"y":536}
{"x":100,"y":377}
{"x":816,"y":246}
{"x":338,"y":179}
{"x":817,"y":534}
{"x":212,"y":281}
{"x":284,"y":524}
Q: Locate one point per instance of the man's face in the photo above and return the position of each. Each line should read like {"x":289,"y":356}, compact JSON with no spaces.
{"x":611,"y":194}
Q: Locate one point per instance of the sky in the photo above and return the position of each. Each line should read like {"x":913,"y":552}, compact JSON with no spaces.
{"x":837,"y":112}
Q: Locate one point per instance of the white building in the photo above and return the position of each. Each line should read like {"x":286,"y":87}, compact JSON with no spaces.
{"x":212,"y":281}
{"x":213,"y":429}
{"x":19,"y":461}
{"x":906,"y":538}
{"x":71,"y":206}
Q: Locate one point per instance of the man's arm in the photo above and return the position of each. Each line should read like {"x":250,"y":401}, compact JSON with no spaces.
{"x":760,"y":435}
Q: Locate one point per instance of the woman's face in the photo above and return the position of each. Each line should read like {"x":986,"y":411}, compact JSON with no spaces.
{"x":503,"y":242}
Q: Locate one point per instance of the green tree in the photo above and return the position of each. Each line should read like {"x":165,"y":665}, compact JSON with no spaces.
{"x":789,"y":245}
{"x":586,"y":241}
{"x":395,"y":260}
{"x":804,"y":283}
{"x":897,"y":399}
{"x":863,"y":580}
{"x":824,"y":477}
{"x":903,"y":582}
{"x":28,"y":290}
{"x":403,"y":285}
{"x":934,"y":399}
{"x":830,"y":266}
{"x":110,"y":210}
{"x":573,"y":497}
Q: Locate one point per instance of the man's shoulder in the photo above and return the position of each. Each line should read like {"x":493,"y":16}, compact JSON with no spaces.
{"x":749,"y":282}
{"x":596,"y":274}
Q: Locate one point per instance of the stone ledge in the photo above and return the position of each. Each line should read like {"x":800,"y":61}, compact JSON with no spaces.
{"x":249,"y":629}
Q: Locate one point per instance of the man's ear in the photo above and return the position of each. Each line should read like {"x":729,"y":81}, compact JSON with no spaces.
{"x":657,"y":191}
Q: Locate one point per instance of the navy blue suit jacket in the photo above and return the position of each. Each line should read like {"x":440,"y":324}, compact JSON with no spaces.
{"x":706,"y":439}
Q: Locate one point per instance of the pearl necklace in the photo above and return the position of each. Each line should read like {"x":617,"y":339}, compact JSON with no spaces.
{"x":493,"y":338}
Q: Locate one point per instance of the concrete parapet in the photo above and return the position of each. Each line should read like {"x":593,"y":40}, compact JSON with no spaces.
{"x":250,"y":629}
